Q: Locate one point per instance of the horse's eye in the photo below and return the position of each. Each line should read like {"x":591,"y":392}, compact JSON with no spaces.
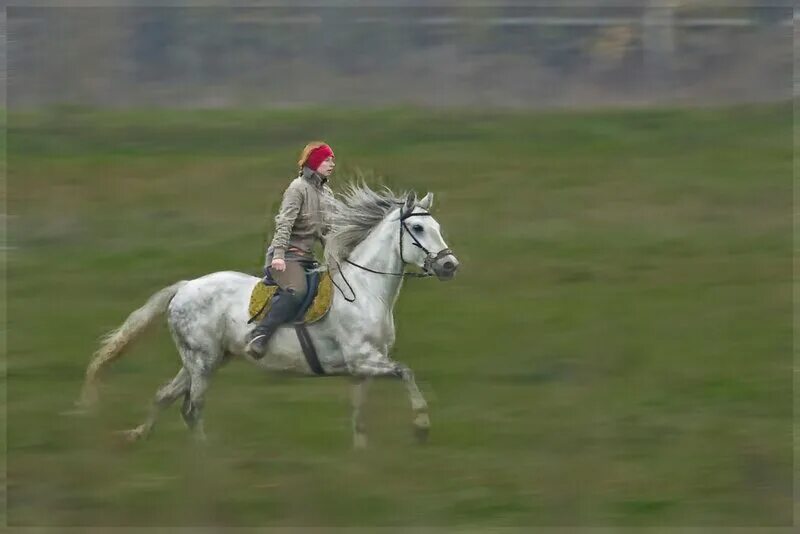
{"x":417,"y":228}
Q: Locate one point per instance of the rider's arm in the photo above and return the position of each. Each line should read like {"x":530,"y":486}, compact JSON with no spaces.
{"x":284,"y":221}
{"x":327,"y":206}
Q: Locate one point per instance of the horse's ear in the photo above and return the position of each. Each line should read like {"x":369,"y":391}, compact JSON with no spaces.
{"x":426,"y":202}
{"x":411,"y":200}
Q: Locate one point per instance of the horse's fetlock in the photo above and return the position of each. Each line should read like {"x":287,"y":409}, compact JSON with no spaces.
{"x":403,"y":371}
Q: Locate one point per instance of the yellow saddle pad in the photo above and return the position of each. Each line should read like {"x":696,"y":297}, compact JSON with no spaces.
{"x":319,"y":307}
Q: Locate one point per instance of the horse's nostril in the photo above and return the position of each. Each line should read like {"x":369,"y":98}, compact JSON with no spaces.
{"x":448,"y":266}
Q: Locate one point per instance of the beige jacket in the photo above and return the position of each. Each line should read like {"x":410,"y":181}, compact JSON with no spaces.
{"x":302,"y":218}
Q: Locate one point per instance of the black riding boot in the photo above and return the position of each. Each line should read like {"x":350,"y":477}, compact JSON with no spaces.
{"x":284,"y":307}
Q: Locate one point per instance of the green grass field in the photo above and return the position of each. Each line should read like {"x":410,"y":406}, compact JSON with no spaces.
{"x":617,"y":349}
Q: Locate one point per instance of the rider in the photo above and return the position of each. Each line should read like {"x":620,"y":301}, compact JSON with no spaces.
{"x":298,"y":225}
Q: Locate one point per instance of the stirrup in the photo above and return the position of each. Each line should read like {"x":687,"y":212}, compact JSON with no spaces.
{"x":250,"y":348}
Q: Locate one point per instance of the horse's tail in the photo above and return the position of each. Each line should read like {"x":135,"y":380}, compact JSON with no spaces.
{"x":114,"y":343}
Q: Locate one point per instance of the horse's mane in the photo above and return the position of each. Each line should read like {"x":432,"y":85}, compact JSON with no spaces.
{"x":353,"y":213}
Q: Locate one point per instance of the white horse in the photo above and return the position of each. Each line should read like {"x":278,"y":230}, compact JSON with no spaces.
{"x":374,"y":235}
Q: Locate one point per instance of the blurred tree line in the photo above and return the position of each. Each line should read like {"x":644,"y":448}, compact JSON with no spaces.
{"x":502,"y":55}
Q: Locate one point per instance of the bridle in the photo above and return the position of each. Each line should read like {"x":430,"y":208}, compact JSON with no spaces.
{"x":427,"y":265}
{"x":430,"y":258}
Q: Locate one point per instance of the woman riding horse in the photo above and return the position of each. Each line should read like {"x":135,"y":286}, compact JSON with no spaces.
{"x":300,"y":223}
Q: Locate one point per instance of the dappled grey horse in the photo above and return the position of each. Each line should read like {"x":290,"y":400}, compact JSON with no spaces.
{"x":373,"y":237}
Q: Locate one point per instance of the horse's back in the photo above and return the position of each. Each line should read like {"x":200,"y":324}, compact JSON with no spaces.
{"x":214,"y":298}
{"x":218,"y":284}
{"x":225,"y":277}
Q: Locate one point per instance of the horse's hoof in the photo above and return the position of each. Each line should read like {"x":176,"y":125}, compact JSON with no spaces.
{"x":359,"y":442}
{"x":77,"y":411}
{"x":421,"y":434}
{"x":131,"y":436}
{"x":83,"y":407}
{"x":422,"y":427}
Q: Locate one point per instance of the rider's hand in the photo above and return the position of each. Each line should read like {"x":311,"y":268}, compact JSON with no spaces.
{"x":278,"y":264}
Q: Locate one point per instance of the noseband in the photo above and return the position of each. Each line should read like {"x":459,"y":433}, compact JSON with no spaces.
{"x":430,"y":259}
{"x":427,"y":265}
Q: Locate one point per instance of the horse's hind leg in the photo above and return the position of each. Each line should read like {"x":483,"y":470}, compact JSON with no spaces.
{"x":192,"y":409}
{"x":198,"y":345}
{"x":201,"y":360}
{"x":164,"y":398}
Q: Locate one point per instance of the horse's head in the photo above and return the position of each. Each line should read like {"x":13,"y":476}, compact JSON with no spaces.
{"x":421,"y":241}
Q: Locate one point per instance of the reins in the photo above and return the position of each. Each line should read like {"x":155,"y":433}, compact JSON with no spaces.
{"x":430,"y":259}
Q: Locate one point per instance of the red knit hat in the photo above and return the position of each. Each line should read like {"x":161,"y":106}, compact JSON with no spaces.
{"x":317,"y":156}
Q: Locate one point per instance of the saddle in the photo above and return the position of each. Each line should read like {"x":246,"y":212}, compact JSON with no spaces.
{"x":315,"y":306}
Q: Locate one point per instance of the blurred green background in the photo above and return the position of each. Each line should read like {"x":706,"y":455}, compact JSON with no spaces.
{"x":616,"y":349}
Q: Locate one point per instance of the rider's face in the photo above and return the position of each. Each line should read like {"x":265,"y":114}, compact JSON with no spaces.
{"x":326,"y":167}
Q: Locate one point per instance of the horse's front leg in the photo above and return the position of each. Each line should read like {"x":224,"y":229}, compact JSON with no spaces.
{"x":422,"y":422}
{"x":383,"y":367}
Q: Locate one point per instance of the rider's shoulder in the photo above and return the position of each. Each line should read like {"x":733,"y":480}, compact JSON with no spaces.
{"x":297,"y":184}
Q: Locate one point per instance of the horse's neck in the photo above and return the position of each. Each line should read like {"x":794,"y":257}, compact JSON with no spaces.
{"x":380,"y":252}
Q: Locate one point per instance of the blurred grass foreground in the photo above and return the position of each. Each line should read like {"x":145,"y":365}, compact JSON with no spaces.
{"x":616,"y":351}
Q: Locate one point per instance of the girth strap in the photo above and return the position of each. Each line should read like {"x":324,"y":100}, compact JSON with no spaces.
{"x":308,"y":349}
